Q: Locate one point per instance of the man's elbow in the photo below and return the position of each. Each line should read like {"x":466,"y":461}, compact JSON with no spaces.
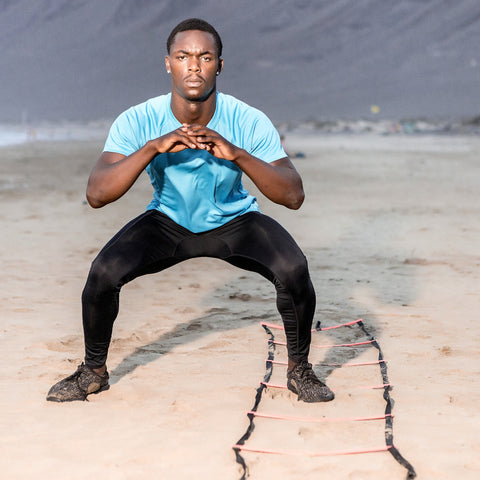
{"x":93,"y":200}
{"x":295,"y":200}
{"x":94,"y":203}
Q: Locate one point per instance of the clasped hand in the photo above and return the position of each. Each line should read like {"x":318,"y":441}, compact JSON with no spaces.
{"x":197,"y":137}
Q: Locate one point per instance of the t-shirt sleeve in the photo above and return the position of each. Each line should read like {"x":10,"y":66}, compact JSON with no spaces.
{"x":266,"y":144}
{"x":123,"y":136}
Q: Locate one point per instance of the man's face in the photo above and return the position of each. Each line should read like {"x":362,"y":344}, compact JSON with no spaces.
{"x":193,"y":64}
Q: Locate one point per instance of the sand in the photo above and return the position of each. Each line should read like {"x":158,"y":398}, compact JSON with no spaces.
{"x":390,"y":226}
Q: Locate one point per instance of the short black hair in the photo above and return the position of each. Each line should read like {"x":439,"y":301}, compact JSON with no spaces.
{"x":195,"y":24}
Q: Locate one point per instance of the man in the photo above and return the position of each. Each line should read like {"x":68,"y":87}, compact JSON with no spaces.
{"x":195,"y":143}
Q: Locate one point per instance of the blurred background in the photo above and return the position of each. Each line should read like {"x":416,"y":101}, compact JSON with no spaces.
{"x":298,"y":60}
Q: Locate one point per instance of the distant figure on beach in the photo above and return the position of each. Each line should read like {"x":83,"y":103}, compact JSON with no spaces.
{"x":195,"y":143}
{"x":289,"y":153}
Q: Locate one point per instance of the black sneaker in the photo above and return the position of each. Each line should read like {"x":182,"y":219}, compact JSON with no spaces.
{"x":303,"y":381}
{"x":77,"y":386}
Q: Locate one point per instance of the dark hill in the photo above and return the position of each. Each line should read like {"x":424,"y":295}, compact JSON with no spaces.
{"x":295,"y":59}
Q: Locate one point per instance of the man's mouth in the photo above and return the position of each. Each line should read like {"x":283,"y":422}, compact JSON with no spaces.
{"x":193,"y":81}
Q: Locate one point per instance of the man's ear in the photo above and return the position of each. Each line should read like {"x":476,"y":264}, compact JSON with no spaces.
{"x":220,"y":66}
{"x":167,"y":64}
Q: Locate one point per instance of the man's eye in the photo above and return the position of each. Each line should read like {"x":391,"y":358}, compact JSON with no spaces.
{"x":206,"y":59}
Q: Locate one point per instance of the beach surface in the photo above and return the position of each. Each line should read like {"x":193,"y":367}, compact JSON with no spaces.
{"x":391,"y":228}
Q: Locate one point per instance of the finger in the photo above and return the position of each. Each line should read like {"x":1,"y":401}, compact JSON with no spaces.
{"x":194,"y":126}
{"x":177,"y":147}
{"x":197,"y":130}
{"x":208,"y":147}
{"x":207,"y":139}
{"x":188,"y":140}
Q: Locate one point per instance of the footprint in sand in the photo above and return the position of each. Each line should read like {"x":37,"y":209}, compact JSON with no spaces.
{"x":65,"y":344}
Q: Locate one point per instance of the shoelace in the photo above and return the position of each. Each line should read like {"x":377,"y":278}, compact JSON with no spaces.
{"x":308,"y":374}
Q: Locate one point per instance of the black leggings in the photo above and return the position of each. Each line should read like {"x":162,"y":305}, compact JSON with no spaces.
{"x":153,"y":242}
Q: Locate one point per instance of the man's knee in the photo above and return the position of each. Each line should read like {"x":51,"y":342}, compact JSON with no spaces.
{"x":294,"y":277}
{"x":103,"y":276}
{"x":296,"y":269}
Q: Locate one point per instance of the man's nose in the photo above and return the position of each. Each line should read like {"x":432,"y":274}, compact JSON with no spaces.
{"x":194,"y":64}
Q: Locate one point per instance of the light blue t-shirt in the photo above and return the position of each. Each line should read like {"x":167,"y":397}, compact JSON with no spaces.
{"x":195,"y":189}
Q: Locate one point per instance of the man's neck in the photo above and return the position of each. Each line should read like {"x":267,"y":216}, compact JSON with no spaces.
{"x":193,"y":112}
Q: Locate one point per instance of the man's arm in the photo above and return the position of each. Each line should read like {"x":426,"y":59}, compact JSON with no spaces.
{"x":278,"y":181}
{"x":114,"y":173}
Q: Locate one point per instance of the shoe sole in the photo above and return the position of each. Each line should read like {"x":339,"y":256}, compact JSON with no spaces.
{"x":292,"y":388}
{"x":58,"y":400}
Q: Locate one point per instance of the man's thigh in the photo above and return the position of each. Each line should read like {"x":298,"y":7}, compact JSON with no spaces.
{"x":144,"y":245}
{"x":261,"y":240}
{"x":255,"y":232}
